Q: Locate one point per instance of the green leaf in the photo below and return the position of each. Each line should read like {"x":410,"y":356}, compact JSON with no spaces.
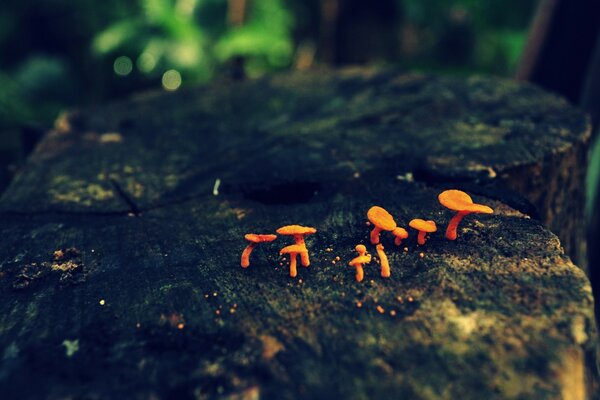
{"x":116,"y":36}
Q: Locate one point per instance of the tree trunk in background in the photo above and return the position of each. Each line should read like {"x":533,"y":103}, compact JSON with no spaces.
{"x":561,"y":45}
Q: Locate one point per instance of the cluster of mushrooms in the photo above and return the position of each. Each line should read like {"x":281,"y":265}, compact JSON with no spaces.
{"x":299,"y":247}
{"x":382,"y":220}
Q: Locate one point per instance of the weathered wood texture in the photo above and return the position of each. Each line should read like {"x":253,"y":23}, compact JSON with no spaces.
{"x":153,"y":302}
{"x":317,"y":128}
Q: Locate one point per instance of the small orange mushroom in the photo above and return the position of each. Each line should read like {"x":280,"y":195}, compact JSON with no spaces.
{"x":385,"y":264}
{"x":400,"y":234}
{"x":253,"y":240}
{"x":382,"y":221}
{"x":298,"y":232}
{"x":457,"y":200}
{"x":424,"y":227}
{"x":293,"y":250}
{"x":358,"y":262}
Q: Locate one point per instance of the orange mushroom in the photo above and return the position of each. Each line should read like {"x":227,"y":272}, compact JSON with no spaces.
{"x":457,"y":200}
{"x":385,"y":264}
{"x":293,"y":250}
{"x":400,"y":234}
{"x":298,"y":232}
{"x":424,"y":227}
{"x":253,"y":240}
{"x":358,"y":262}
{"x":382,"y":221}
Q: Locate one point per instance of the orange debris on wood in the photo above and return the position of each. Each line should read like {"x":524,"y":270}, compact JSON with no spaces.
{"x":293,"y":250}
{"x":253,"y":239}
{"x":359,"y":262}
{"x":382,"y":221}
{"x":461,"y":202}
{"x":424,"y":227}
{"x":400,"y":234}
{"x":385,"y":265}
{"x":298,"y":232}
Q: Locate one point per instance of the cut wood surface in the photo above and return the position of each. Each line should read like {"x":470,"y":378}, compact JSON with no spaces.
{"x":311,"y":129}
{"x":121,"y":243}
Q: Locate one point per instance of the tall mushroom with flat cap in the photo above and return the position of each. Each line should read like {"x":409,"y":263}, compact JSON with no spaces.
{"x":424,"y":227}
{"x":254,"y":239}
{"x":461,"y":202}
{"x":293,"y":250}
{"x":298,"y":232}
{"x":358,"y":262}
{"x":399,"y":234}
{"x":381,"y":220}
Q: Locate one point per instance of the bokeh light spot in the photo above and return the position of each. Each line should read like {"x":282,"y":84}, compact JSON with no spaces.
{"x":146,"y":62}
{"x":123,"y":66}
{"x":171,"y":80}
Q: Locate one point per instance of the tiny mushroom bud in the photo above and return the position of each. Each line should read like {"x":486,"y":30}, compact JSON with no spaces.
{"x":382,"y":221}
{"x":293,"y":250}
{"x":358,"y":262}
{"x":424,"y":227}
{"x":400,"y":234}
{"x":298,"y":232}
{"x":385,"y":264}
{"x":253,"y":240}
{"x":461,"y":202}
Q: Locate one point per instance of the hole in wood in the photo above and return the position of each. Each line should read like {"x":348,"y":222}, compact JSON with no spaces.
{"x":283,"y":193}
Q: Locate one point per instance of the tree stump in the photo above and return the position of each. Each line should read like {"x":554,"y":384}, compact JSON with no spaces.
{"x":122,"y":236}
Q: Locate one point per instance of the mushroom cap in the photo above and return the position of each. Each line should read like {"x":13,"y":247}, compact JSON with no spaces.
{"x":458,"y":200}
{"x":422,"y":225}
{"x":360,"y":260}
{"x":381,"y":218}
{"x":294,"y":248}
{"x":400,"y":232}
{"x":296,"y":230}
{"x":258,"y":238}
{"x":361,"y":248}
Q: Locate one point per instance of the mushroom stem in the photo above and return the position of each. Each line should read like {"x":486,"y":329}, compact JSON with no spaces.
{"x":453,"y":225}
{"x":359,"y":273}
{"x":421,"y":237}
{"x":246,"y":255}
{"x":385,"y":265}
{"x":304,"y":260}
{"x":375,"y":235}
{"x":293,"y":271}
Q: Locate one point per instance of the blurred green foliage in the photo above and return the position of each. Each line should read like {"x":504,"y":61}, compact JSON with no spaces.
{"x":470,"y":35}
{"x":172,"y":35}
{"x":59,"y":53}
